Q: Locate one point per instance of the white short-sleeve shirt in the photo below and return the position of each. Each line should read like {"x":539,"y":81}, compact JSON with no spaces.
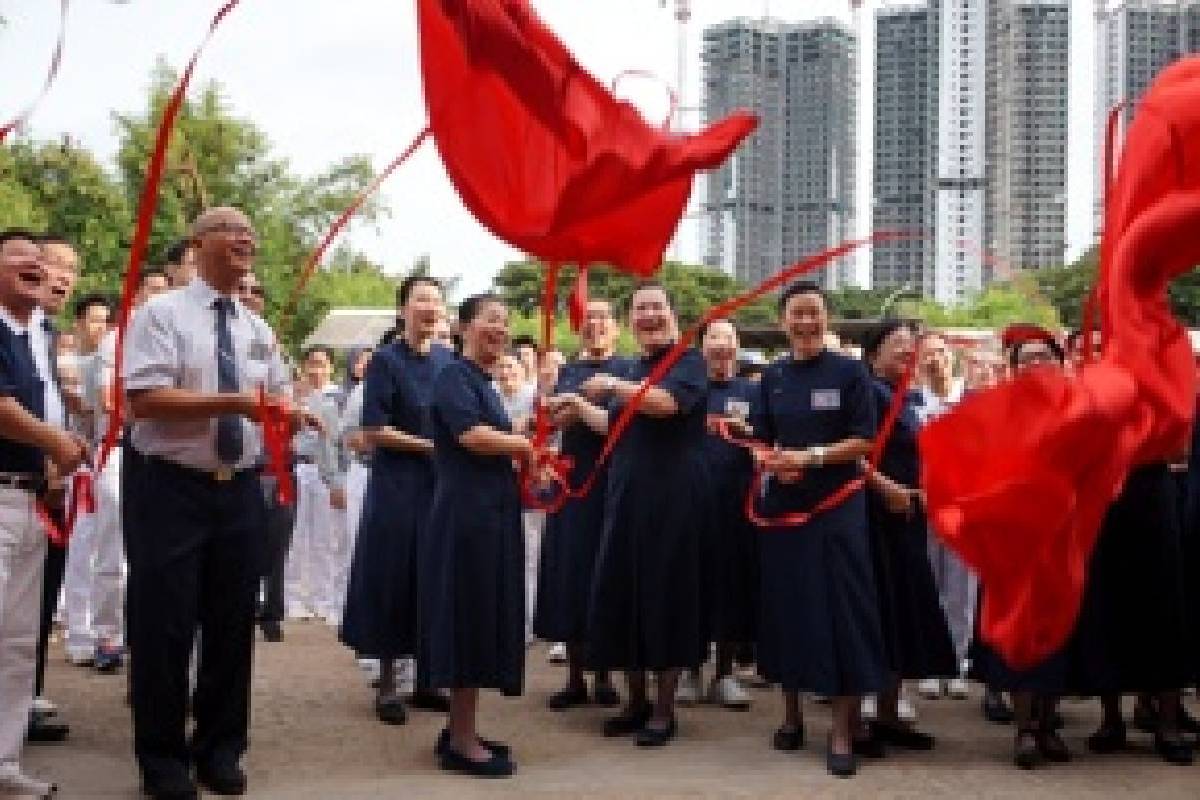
{"x":172,"y":343}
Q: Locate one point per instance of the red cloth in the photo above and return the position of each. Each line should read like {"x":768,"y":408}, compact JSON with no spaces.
{"x":1019,"y":477}
{"x":543,"y":154}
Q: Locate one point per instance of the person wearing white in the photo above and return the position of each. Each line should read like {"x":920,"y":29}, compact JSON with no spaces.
{"x":27,"y":439}
{"x":957,"y":586}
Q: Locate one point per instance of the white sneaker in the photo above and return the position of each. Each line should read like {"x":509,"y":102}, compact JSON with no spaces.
{"x":686,"y":693}
{"x":869,"y":708}
{"x":15,"y":785}
{"x":930,"y":688}
{"x":299,"y":612}
{"x":905,"y":710}
{"x":958,"y":688}
{"x":81,"y":656}
{"x":370,"y":668}
{"x":557,"y":653}
{"x":406,"y":673}
{"x":728,"y":693}
{"x":42,"y":705}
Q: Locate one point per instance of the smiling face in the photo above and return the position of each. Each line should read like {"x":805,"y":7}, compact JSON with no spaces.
{"x":895,"y":353}
{"x":652,"y":318}
{"x":508,"y":372}
{"x":805,"y":322}
{"x":485,"y":336}
{"x":318,"y":369}
{"x":62,"y":272}
{"x":937,"y":362}
{"x":720,"y":347}
{"x":23,"y":276}
{"x":600,"y":329}
{"x":423,"y":311}
{"x":225,"y":244}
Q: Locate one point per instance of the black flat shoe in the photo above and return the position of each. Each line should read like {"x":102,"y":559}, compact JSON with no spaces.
{"x":901,"y":736}
{"x":570,"y":697}
{"x":390,"y":709}
{"x":223,"y":778}
{"x":605,"y":695}
{"x":272,"y":631}
{"x":841,"y":765}
{"x":1177,"y":752}
{"x":1053,"y":748}
{"x":443,"y":745}
{"x":44,"y":729}
{"x":869,"y":746}
{"x":1025,"y":750}
{"x":428,"y":700}
{"x":1107,"y":740}
{"x":497,"y":766}
{"x":656,"y":737}
{"x":788,"y":740}
{"x":628,"y":722}
{"x":180,"y":788}
{"x":996,"y":710}
{"x":1188,"y":723}
{"x":1145,"y":718}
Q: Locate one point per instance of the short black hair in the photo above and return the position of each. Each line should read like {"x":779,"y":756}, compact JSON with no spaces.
{"x":1056,"y":349}
{"x":524,"y":340}
{"x":151,"y":272}
{"x":175,"y":252}
{"x":652,"y":284}
{"x":81,"y":306}
{"x":13,"y":234}
{"x":881,"y":333}
{"x":799,"y":288}
{"x":413,"y":281}
{"x":700,"y":334}
{"x":470,"y":308}
{"x":321,"y":348}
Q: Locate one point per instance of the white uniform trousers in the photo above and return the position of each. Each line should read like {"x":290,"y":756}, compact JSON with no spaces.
{"x":534,"y":522}
{"x":95,"y":571}
{"x":22,"y":558}
{"x":357,"y":476}
{"x":310,"y":575}
{"x":958,"y":589}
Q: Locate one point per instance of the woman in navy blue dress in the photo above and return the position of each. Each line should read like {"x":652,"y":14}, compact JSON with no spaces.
{"x":381,"y":617}
{"x":915,"y":631}
{"x":732,"y":553}
{"x":647,"y":611}
{"x":472,"y":559}
{"x":572,"y":536}
{"x":819,"y":627}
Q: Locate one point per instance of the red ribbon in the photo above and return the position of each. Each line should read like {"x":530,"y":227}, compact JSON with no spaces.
{"x":141,"y":234}
{"x":51,"y":74}
{"x":277,"y":431}
{"x":82,"y":497}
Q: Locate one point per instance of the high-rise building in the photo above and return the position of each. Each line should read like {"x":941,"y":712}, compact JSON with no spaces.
{"x":1135,"y":39}
{"x":970,"y":141}
{"x":789,"y":191}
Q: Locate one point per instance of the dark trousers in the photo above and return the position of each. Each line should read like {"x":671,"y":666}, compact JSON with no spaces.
{"x":280,"y":521}
{"x":52,"y":581}
{"x":194,"y":550}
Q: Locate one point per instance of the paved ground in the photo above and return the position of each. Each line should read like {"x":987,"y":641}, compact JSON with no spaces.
{"x":314,"y":737}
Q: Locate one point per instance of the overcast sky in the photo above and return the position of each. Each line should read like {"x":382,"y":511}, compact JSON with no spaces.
{"x":328,"y":78}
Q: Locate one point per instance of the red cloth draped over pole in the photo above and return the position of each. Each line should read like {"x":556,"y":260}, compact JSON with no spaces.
{"x":1018,"y":478}
{"x":141,"y":233}
{"x":51,"y":74}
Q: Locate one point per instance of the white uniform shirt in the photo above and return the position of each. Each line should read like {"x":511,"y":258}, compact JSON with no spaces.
{"x":172,"y":343}
{"x":933,"y":406}
{"x":39,"y":340}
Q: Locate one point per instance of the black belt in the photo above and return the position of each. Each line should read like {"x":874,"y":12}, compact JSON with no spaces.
{"x":25,"y":481}
{"x":221,"y":475}
{"x":305,"y":460}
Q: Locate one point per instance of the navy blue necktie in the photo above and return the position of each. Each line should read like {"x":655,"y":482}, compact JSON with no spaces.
{"x":229,"y":426}
{"x":37,"y":399}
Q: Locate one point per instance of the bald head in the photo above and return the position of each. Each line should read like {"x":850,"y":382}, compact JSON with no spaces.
{"x":225,"y":244}
{"x":219,"y":218}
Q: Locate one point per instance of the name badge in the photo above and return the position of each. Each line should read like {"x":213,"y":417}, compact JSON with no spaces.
{"x":826,"y":399}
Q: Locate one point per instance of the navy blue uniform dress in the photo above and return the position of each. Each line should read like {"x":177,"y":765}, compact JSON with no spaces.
{"x":472,"y":550}
{"x":572,"y":536}
{"x":382,"y":615}
{"x":733,"y":550}
{"x":819,"y":626}
{"x":1132,"y":634}
{"x":910,"y":611}
{"x":647,"y":609}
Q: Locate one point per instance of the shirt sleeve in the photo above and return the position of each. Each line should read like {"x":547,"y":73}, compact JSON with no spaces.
{"x":860,"y":404}
{"x":456,"y":402}
{"x":152,"y":357}
{"x":379,"y":386}
{"x":687,"y":382}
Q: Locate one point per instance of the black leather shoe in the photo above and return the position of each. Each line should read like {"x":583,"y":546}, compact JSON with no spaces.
{"x":429,"y":700}
{"x":272,"y":631}
{"x":497,"y":766}
{"x":1053,"y":748}
{"x":174,"y":785}
{"x":570,"y":697}
{"x":1188,"y":723}
{"x":1173,"y":752}
{"x":656,"y":737}
{"x":1145,"y":718}
{"x":1108,"y":739}
{"x":996,"y":709}
{"x":628,"y":721}
{"x":869,"y":746}
{"x":841,"y":765}
{"x":605,"y":695}
{"x":221,"y":777}
{"x":390,"y":710}
{"x":788,"y":740}
{"x":901,"y":736}
{"x":443,"y":745}
{"x":45,"y":729}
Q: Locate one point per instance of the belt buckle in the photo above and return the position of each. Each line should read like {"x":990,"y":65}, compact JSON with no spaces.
{"x":223,"y":474}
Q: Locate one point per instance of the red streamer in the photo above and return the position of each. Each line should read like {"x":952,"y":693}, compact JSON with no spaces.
{"x":51,"y":74}
{"x":277,"y":430}
{"x":141,"y":234}
{"x":83,"y":498}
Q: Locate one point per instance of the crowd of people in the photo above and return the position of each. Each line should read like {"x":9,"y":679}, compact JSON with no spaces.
{"x":707,"y":539}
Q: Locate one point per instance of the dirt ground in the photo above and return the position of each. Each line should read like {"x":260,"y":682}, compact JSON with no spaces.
{"x":314,"y":736}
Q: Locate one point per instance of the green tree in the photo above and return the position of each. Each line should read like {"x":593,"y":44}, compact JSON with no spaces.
{"x":1000,"y":304}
